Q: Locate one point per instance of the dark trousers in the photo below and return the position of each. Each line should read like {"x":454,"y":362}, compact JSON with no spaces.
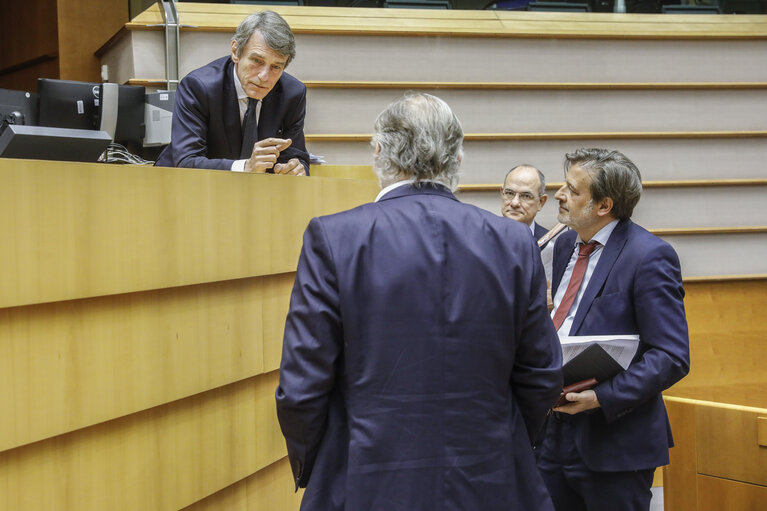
{"x":574,"y":487}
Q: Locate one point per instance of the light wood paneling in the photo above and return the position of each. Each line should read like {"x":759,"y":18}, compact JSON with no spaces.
{"x":473,"y":59}
{"x":693,"y":183}
{"x":751,"y":229}
{"x":275,"y":301}
{"x":85,"y":25}
{"x":499,"y":137}
{"x":502,"y":113}
{"x":351,"y":84}
{"x":148,"y":383}
{"x":715,"y":410}
{"x":475,"y":23}
{"x":488,"y":60}
{"x":658,"y":160}
{"x":87,"y":230}
{"x":161,"y":459}
{"x":269,"y":489}
{"x":728,"y":444}
{"x":727,"y":343}
{"x":345,"y":171}
{"x":667,"y":211}
{"x":679,"y":477}
{"x":716,"y":494}
{"x":68,"y":365}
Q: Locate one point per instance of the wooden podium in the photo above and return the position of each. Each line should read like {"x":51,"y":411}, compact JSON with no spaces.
{"x":141,"y":318}
{"x":719,"y":412}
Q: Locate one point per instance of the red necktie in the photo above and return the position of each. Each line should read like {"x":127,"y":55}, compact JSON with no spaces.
{"x":584,"y":251}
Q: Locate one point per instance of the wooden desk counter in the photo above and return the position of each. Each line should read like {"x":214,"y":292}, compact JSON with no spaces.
{"x":719,"y":412}
{"x":141,"y":317}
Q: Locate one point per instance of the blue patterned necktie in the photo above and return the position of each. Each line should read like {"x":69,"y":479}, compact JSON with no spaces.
{"x":249,"y":130}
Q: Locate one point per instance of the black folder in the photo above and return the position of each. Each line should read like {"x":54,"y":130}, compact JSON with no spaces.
{"x":586,"y":369}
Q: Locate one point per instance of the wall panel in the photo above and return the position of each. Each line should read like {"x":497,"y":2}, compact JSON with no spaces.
{"x":658,"y":159}
{"x":163,"y":458}
{"x":552,"y":111}
{"x":119,"y":397}
{"x":269,"y":489}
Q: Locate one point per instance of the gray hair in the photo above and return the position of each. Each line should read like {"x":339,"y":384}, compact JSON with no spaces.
{"x":273,"y":28}
{"x":612,"y":175}
{"x":418,"y":136}
{"x":541,"y":177}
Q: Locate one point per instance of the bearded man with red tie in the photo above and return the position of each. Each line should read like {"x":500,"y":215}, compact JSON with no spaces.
{"x":610,"y":277}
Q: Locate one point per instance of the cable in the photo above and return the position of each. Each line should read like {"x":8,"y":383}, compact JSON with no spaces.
{"x":117,"y":153}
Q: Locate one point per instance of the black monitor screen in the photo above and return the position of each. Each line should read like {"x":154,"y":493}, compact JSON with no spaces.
{"x":130,"y":117}
{"x":18,"y":107}
{"x":68,"y":104}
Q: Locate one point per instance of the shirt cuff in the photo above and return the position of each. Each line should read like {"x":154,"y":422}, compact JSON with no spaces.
{"x":238,"y":165}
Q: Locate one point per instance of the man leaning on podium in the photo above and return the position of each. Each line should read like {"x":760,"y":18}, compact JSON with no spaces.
{"x":242,"y":112}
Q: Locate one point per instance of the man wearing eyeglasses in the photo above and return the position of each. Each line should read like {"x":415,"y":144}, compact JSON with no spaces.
{"x":523,"y":195}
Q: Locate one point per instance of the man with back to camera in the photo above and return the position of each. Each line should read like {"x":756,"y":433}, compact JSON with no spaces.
{"x":243,"y":112}
{"x":600,"y":451}
{"x":418,"y":358}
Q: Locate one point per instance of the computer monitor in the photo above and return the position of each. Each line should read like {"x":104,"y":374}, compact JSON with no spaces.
{"x":69,"y":104}
{"x":130,"y":127}
{"x":44,"y":143}
{"x":18,"y":107}
{"x":158,"y":116}
{"x":86,"y":105}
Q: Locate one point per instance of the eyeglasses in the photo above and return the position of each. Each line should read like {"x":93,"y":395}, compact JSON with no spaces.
{"x":509,"y":194}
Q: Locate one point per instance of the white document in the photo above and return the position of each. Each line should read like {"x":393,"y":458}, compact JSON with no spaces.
{"x":621,"y":348}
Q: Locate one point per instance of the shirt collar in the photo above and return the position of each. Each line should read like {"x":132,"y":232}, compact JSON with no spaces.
{"x":532,"y":227}
{"x":602,"y":235}
{"x":237,"y":85}
{"x":393,"y":186}
{"x":398,"y":184}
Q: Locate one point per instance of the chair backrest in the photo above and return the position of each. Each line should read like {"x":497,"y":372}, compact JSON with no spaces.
{"x":691,"y":9}
{"x":418,"y":4}
{"x":559,"y":6}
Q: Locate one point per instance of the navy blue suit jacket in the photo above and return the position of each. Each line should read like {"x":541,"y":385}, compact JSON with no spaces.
{"x":419,"y":359}
{"x":206,"y":131}
{"x":636,"y":288}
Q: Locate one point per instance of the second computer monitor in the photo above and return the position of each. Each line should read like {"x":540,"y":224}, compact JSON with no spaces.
{"x":18,"y":107}
{"x":130,"y":117}
{"x":69,"y":104}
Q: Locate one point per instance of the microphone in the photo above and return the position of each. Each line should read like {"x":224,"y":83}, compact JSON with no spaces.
{"x":551,"y":234}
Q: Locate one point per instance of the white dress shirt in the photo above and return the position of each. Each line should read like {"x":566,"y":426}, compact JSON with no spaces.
{"x":393,"y":186}
{"x":242,"y":100}
{"x":602,"y":236}
{"x":403,"y":183}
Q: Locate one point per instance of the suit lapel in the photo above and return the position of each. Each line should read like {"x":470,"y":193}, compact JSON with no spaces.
{"x":563,"y":250}
{"x":606,"y":262}
{"x":231,"y":111}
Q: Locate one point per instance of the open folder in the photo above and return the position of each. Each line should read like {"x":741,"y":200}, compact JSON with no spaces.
{"x":589,"y":360}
